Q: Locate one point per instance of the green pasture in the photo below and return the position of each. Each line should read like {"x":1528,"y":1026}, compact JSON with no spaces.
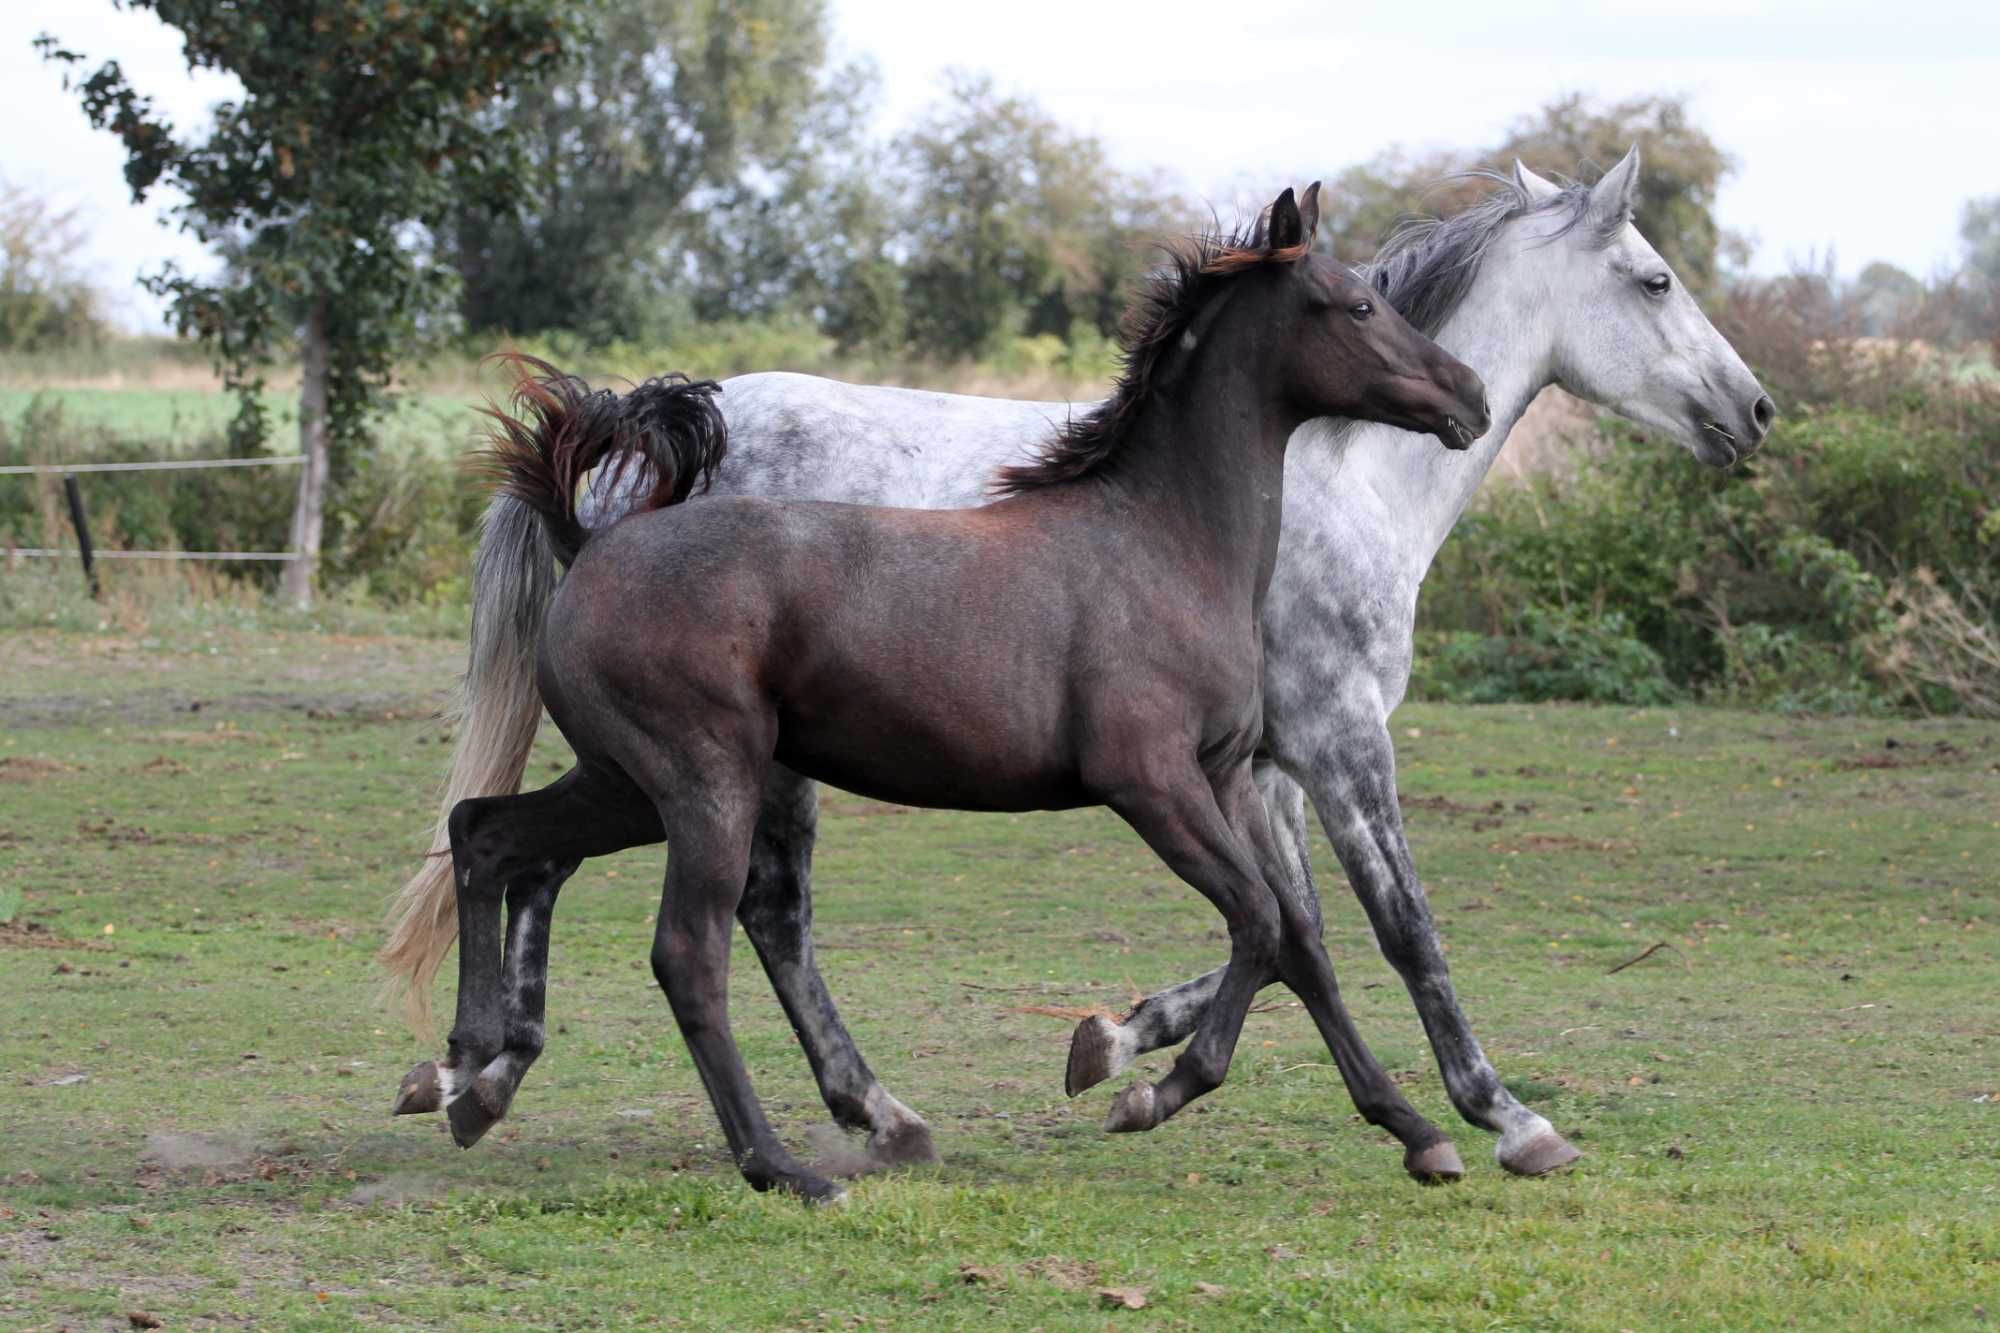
{"x":176,"y":418}
{"x":1790,"y":1108}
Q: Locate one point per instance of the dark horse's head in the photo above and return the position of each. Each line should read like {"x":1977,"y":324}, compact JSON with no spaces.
{"x":1345,"y":351}
{"x":1326,"y":342}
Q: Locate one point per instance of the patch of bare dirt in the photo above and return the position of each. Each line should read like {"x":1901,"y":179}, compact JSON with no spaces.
{"x":1069,"y":1274}
{"x":1560,"y":842}
{"x":25,"y":768}
{"x":19,"y":934}
{"x":174,"y":1152}
{"x":1898,"y":754}
{"x":396,"y":1192}
{"x":113,"y":834}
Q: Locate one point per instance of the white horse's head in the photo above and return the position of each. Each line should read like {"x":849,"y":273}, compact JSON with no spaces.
{"x":1626,"y":334}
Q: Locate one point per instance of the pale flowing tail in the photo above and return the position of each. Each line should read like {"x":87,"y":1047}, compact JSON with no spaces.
{"x":493,"y":721}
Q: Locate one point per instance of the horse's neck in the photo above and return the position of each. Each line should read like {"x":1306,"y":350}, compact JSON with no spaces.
{"x":1207,"y":464}
{"x":1417,"y":489}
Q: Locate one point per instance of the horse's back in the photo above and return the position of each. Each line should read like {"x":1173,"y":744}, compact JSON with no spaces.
{"x":804,"y":437}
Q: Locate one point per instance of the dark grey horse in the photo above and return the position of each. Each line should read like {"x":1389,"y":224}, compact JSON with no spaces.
{"x":691,"y":649}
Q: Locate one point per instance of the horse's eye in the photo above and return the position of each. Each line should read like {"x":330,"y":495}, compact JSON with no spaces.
{"x":1658,"y":285}
{"x":1361,"y":309}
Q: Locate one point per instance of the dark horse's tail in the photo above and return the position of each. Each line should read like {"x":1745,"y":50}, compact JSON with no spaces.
{"x":561,"y":429}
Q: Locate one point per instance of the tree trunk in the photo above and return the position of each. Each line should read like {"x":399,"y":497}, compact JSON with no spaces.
{"x":308,"y":514}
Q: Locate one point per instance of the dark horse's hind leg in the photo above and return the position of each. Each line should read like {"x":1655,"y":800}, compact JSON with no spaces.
{"x":776,"y":913}
{"x":709,"y":830}
{"x":520,"y":850}
{"x":1304,"y":966}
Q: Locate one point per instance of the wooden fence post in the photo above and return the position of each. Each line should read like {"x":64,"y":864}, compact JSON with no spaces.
{"x":82,"y":525}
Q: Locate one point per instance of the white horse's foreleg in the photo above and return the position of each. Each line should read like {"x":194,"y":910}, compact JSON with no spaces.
{"x":1353,"y":787}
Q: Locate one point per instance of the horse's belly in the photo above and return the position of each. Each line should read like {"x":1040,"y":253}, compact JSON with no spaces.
{"x":917,"y":761}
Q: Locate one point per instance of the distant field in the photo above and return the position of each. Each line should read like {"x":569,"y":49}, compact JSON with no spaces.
{"x":178,"y":417}
{"x":1790,"y":1113}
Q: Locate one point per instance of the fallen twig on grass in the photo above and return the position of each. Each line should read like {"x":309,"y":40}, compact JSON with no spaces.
{"x":1648,"y":953}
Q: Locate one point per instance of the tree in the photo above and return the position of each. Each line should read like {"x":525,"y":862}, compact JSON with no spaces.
{"x":45,"y":301}
{"x":1684,"y":168}
{"x":1884,"y":298}
{"x":1015,"y":224}
{"x":800,"y":220}
{"x":1364,"y":204}
{"x":1974,"y":295}
{"x":1569,"y":136}
{"x":675,"y":116}
{"x":1979,"y":229}
{"x":359,"y":128}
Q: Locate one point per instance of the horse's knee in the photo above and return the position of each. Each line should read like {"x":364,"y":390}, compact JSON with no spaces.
{"x":669,"y":958}
{"x":1258,"y":932}
{"x":684,"y":966}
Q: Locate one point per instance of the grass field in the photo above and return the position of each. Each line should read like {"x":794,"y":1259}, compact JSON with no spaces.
{"x":1791,"y":1115}
{"x":176,"y":417}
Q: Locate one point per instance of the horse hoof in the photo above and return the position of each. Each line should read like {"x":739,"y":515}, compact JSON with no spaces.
{"x":422,"y":1091}
{"x":1135,"y":1110}
{"x":479,"y":1108}
{"x":1539,"y":1156}
{"x":1435,"y":1165}
{"x":813,"y":1190}
{"x":1094,"y":1054}
{"x":907,"y":1144}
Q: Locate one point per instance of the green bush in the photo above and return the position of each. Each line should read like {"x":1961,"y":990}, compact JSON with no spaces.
{"x":1553,"y":653}
{"x":1768,"y":584}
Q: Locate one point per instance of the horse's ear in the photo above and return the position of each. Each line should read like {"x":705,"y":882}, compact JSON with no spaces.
{"x":1284,"y":229}
{"x":1535,"y":187}
{"x":1611,"y":198}
{"x":1309,"y":213}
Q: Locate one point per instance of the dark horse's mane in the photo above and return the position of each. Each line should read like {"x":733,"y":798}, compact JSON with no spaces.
{"x":1160,"y":312}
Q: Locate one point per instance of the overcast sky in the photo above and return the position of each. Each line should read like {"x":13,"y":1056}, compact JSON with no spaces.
{"x":1857,"y":126}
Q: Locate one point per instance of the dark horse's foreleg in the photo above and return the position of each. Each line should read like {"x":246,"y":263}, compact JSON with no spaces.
{"x":776,"y":913}
{"x":709,"y":828}
{"x":518,"y":850}
{"x":1101,"y":1048}
{"x":1305,"y":967}
{"x":1181,"y":822}
{"x":1352,"y":776}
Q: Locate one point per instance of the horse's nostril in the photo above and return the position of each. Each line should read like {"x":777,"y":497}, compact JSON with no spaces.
{"x":1763,"y":413}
